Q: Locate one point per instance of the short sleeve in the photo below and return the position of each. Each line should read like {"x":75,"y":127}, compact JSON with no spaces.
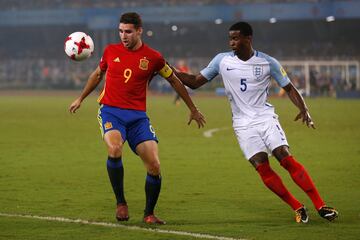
{"x":278,"y":72}
{"x":103,"y":61}
{"x":212,"y":70}
{"x":162,"y":67}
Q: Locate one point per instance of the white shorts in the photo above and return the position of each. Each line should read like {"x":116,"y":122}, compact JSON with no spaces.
{"x":263,"y":137}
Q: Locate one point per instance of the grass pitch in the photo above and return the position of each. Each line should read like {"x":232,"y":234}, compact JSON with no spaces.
{"x":54,"y":164}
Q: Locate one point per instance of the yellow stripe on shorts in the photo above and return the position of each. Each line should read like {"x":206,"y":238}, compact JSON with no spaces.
{"x":100,"y":121}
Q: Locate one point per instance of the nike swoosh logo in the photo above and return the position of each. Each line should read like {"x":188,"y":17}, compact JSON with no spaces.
{"x":329,"y":214}
{"x":229,"y":69}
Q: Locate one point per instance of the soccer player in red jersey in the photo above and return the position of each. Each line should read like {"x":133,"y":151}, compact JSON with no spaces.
{"x":128,"y":67}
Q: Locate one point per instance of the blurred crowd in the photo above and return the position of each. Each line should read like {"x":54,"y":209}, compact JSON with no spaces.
{"x":33,"y":56}
{"x":66,"y":4}
{"x":40,"y":73}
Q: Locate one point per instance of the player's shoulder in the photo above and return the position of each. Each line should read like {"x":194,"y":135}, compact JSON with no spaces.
{"x":221,"y":55}
{"x":151,"y":51}
{"x":265,"y":56}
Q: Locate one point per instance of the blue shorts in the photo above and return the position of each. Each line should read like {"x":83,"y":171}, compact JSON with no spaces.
{"x":133,"y":125}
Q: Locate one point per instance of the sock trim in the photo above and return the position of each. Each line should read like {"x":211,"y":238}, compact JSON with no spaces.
{"x":153,"y":179}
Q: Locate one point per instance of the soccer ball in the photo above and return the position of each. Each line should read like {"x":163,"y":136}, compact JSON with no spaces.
{"x":79,"y":46}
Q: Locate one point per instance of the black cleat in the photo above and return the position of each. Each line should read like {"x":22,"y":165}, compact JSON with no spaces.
{"x":301,"y":215}
{"x":328,"y":213}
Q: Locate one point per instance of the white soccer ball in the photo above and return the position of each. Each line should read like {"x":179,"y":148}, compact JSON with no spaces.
{"x":79,"y":46}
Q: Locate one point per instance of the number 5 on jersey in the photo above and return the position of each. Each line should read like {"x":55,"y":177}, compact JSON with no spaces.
{"x":243,"y":85}
{"x":127,"y":74}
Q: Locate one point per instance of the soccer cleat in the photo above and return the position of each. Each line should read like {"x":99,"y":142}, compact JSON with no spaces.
{"x":122,"y":213}
{"x":152,"y":219}
{"x":301,"y":215}
{"x":328,"y":213}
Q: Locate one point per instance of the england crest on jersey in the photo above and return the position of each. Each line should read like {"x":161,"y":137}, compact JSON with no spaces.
{"x":258,"y":71}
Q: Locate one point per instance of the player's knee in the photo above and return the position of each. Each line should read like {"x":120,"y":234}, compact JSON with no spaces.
{"x":115,"y":150}
{"x":281,"y":152}
{"x":154,"y":168}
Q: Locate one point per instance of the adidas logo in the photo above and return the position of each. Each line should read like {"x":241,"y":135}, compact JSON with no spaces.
{"x":116,"y":59}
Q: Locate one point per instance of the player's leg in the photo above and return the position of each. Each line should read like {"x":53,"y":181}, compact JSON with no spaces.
{"x":115,"y":169}
{"x":272,"y":180}
{"x":254,"y":149}
{"x":143,"y":141}
{"x":148,"y":152}
{"x":302,"y":178}
{"x":114,"y":139}
{"x":299,"y":174}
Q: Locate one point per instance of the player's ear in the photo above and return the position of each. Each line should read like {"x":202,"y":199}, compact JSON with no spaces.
{"x":140,"y":30}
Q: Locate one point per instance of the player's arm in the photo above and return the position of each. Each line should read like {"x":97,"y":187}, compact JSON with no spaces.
{"x":94,"y":79}
{"x":280,"y":76}
{"x":167,"y":73}
{"x":190,"y":80}
{"x":299,"y":102}
{"x":205,"y":75}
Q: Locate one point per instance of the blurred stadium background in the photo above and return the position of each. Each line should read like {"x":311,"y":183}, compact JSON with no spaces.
{"x":315,"y":40}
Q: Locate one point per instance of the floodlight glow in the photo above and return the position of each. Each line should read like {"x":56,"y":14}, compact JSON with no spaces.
{"x":218,"y":21}
{"x":272,"y":20}
{"x":330,"y":18}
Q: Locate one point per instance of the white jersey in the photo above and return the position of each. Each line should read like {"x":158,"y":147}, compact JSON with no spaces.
{"x":247,"y":84}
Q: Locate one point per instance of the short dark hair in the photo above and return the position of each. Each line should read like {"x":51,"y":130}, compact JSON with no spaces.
{"x":244,"y":28}
{"x":131,"y":18}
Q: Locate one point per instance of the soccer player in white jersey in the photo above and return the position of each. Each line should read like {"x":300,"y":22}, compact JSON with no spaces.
{"x":246,"y":74}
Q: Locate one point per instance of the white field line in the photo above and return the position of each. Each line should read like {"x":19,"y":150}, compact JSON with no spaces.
{"x":210,"y":132}
{"x":113,"y":225}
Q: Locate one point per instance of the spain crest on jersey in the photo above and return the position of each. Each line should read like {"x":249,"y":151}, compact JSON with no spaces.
{"x":258,"y":71}
{"x":144,"y":64}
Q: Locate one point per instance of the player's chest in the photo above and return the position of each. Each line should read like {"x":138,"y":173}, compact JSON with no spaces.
{"x":254,"y":72}
{"x":131,"y":66}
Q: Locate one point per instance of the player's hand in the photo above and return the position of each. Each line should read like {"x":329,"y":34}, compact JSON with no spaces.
{"x":305,"y":117}
{"x":75,"y":105}
{"x":198,"y":117}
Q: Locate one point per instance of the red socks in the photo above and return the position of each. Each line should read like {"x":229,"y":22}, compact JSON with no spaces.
{"x":302,"y":179}
{"x":274,"y":183}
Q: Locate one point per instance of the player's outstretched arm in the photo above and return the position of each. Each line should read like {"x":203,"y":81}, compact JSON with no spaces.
{"x":195,"y":114}
{"x":190,"y":80}
{"x":298,"y":100}
{"x":93,"y":80}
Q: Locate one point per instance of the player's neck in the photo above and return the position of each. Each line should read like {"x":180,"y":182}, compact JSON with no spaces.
{"x":137,"y":46}
{"x":245,"y":54}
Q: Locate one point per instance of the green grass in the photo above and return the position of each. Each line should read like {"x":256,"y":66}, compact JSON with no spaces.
{"x":53,"y":164}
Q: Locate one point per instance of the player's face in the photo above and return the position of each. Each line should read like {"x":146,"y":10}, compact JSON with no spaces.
{"x":129,"y":35}
{"x":239,"y":42}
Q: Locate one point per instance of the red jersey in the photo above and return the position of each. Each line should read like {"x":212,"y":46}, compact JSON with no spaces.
{"x":128,"y":73}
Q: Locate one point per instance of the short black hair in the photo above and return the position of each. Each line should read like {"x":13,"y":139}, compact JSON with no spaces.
{"x":131,"y":18}
{"x":244,"y":28}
